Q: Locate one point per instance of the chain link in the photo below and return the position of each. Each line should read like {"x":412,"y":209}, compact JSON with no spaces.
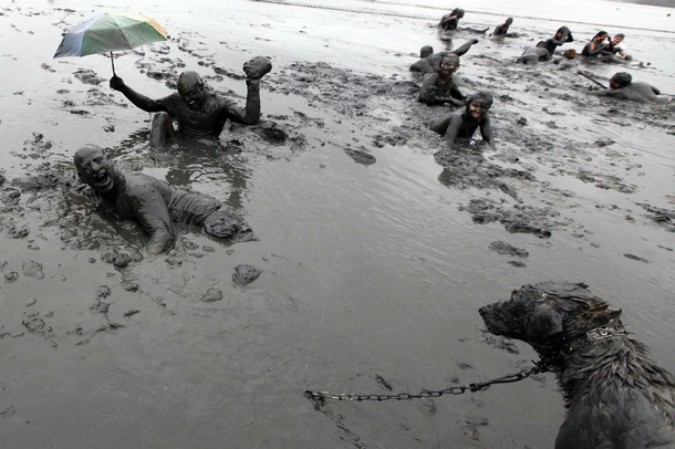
{"x":319,"y":397}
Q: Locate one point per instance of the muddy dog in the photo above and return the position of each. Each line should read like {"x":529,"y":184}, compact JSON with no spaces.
{"x":616,"y":397}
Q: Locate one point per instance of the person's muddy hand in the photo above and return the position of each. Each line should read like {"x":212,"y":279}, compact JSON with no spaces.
{"x":117,"y":83}
{"x":474,"y":41}
{"x":257,"y":67}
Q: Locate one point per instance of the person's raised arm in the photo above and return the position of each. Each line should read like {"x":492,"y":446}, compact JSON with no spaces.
{"x":255,"y":69}
{"x":140,"y":101}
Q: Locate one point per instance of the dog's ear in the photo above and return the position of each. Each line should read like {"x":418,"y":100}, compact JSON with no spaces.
{"x":545,"y":322}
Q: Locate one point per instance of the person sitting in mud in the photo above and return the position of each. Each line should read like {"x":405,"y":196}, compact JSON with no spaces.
{"x":156,"y":205}
{"x":562,"y":36}
{"x":462,"y":124}
{"x":197,"y":111}
{"x":617,"y":49}
{"x":599,"y":49}
{"x":439,"y":88}
{"x":450,"y":21}
{"x":621,"y":86}
{"x":503,"y":29}
{"x":430,"y":62}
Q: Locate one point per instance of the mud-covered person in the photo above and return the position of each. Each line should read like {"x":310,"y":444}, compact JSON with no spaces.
{"x":197,"y":111}
{"x":621,"y":86}
{"x":155,"y":205}
{"x":450,"y":21}
{"x":503,"y":29}
{"x":462,"y":124}
{"x":430,"y":62}
{"x":600,"y":49}
{"x":544,"y":50}
{"x":440,"y":88}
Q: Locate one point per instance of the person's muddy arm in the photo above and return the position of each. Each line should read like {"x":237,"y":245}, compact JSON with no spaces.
{"x":428,"y":91}
{"x":607,"y":93}
{"x":139,"y":100}
{"x":593,"y":49}
{"x":486,"y":131}
{"x":250,"y":115}
{"x":453,"y":129}
{"x":151,"y":212}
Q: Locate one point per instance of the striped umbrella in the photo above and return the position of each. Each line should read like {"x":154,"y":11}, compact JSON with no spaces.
{"x":109,"y":32}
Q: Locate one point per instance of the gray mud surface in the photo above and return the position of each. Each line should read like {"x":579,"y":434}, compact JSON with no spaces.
{"x":378,"y":243}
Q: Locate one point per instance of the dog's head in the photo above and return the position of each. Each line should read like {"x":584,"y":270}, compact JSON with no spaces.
{"x":536,"y":313}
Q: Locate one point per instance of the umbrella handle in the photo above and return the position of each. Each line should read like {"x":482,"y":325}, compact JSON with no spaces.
{"x":112,"y":61}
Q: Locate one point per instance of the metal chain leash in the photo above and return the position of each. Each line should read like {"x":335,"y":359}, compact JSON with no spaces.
{"x":319,"y":397}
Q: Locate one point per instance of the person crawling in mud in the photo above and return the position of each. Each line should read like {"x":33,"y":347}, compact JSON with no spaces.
{"x":462,"y":124}
{"x":503,"y":29}
{"x":156,"y":205}
{"x":621,"y":86}
{"x":430,"y":62}
{"x":439,"y":88}
{"x":545,"y":49}
{"x":196,"y":111}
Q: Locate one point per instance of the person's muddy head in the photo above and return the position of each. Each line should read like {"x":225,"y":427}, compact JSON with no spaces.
{"x":570,"y":53}
{"x":458,"y":12}
{"x":620,"y":79}
{"x":449,"y":64}
{"x":618,"y":38}
{"x":563,"y":34}
{"x":191,"y":88}
{"x":425,"y":51}
{"x":600,"y":36}
{"x":95,"y":169}
{"x":509,"y":21}
{"x":479,"y":104}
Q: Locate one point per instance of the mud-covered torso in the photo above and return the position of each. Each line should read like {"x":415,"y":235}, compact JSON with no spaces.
{"x":207,"y":120}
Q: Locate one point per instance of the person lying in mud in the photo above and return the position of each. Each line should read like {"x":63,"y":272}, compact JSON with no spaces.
{"x":430,"y":62}
{"x":156,"y":205}
{"x":533,"y":55}
{"x":439,"y":88}
{"x":462,"y":124}
{"x":621,"y":86}
{"x":503,"y":29}
{"x":197,"y":111}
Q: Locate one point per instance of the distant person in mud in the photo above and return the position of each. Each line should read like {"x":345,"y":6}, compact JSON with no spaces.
{"x":600,"y":49}
{"x":430,"y":62}
{"x":462,"y":124}
{"x":617,"y":49}
{"x":440,"y":88}
{"x":154,"y":204}
{"x":197,"y":111}
{"x":621,"y":86}
{"x":562,"y":36}
{"x":545,"y":49}
{"x":450,"y":22}
{"x":503,"y":29}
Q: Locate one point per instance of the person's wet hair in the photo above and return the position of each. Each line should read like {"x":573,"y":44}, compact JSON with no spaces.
{"x":426,"y":51}
{"x":484,"y":98}
{"x":622,"y":79}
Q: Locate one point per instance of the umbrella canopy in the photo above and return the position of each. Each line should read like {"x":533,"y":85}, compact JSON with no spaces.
{"x":109,"y":32}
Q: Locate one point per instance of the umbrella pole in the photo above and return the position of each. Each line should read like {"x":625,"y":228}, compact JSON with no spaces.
{"x":112,"y":61}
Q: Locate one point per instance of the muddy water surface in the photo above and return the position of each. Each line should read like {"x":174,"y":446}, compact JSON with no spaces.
{"x":375,"y":251}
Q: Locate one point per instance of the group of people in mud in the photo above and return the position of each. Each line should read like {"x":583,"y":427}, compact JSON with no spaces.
{"x":439,"y":86}
{"x":198,"y":112}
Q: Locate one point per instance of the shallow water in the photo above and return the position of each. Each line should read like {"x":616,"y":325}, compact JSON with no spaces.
{"x":367,"y":269}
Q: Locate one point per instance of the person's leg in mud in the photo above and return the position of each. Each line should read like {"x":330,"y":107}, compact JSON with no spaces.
{"x":161,"y":131}
{"x":441,"y":125}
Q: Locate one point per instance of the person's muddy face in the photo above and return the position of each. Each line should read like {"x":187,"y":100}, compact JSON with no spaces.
{"x":616,"y":40}
{"x":448,"y":69}
{"x":477,"y":109}
{"x":191,"y":89}
{"x":560,"y":35}
{"x":95,"y":169}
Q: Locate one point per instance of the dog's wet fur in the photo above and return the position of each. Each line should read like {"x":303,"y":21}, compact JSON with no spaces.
{"x":617,"y":398}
